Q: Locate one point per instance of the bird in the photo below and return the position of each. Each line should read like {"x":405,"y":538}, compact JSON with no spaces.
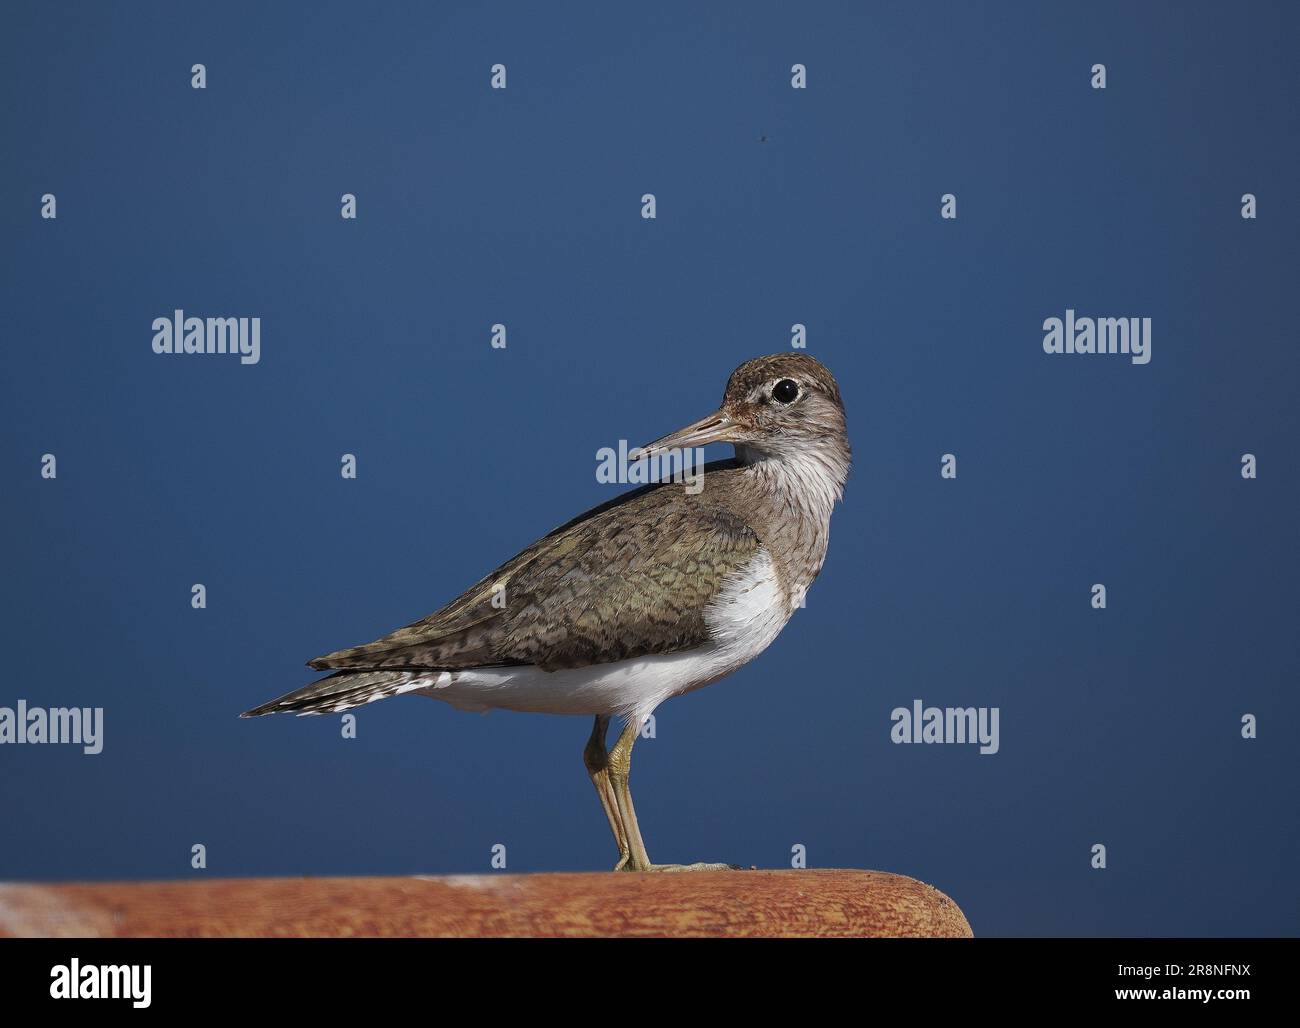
{"x":658,"y":592}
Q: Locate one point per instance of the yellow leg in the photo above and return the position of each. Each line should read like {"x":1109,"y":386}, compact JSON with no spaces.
{"x":620,"y":770}
{"x":597,"y":760}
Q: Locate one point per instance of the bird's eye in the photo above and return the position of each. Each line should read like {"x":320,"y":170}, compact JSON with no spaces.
{"x":785,"y":391}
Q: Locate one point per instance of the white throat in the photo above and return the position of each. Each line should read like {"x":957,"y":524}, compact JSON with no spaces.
{"x":809,"y":479}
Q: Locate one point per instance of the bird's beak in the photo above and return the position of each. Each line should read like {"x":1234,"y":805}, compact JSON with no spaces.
{"x":716,"y":428}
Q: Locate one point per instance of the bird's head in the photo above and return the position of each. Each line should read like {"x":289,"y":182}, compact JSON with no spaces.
{"x":783,"y":408}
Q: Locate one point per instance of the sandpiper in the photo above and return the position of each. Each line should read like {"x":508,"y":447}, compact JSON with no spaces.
{"x":653,"y":594}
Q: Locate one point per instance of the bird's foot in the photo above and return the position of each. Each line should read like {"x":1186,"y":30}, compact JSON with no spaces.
{"x":696,"y":867}
{"x":626,"y":865}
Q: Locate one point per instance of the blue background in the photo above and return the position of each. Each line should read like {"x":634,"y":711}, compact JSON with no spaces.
{"x":476,"y":206}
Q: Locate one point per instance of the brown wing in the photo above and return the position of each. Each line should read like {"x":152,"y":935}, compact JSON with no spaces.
{"x":626,"y":579}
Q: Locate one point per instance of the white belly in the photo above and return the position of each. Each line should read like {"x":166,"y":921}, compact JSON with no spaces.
{"x":747,"y":614}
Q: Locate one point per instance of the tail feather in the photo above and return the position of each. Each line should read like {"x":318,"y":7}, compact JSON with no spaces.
{"x":338,"y":692}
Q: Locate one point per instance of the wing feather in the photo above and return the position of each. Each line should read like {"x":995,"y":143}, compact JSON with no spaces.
{"x":627,"y":579}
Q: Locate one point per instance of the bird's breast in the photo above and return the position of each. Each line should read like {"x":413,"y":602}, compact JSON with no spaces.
{"x":749,"y":611}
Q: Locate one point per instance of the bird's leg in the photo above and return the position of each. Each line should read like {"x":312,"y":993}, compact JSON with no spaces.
{"x":620,"y":769}
{"x":597,"y":760}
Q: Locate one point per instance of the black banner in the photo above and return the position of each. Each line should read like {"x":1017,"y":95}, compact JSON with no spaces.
{"x":146,"y":977}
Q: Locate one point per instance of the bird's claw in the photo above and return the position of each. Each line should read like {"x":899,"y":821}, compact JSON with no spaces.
{"x":626,"y":865}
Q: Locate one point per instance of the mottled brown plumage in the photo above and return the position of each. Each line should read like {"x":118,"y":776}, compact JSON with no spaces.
{"x":628,"y":578}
